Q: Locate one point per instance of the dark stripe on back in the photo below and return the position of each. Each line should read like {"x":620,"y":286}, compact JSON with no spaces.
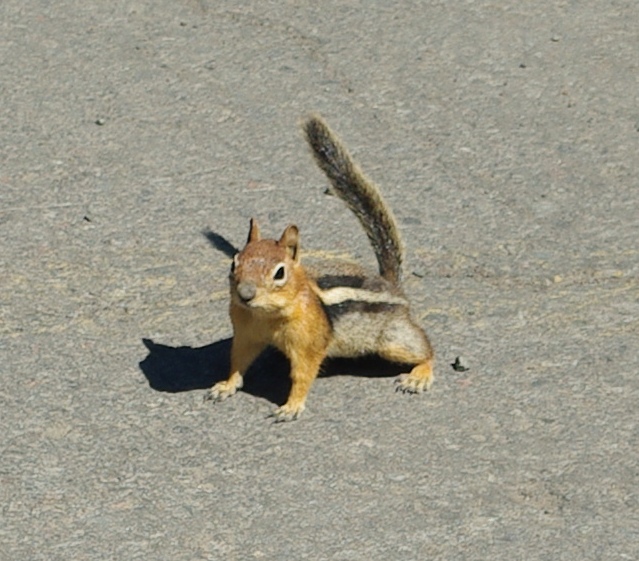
{"x":334,"y":281}
{"x":374,"y":284}
{"x":335,"y":311}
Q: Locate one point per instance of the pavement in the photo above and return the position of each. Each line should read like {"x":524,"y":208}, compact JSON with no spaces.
{"x":136,"y":141}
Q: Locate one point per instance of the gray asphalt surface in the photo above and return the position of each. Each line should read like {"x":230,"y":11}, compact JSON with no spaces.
{"x":136,"y":140}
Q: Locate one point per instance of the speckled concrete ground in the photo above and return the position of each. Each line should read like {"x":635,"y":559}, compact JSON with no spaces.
{"x":506,"y":137}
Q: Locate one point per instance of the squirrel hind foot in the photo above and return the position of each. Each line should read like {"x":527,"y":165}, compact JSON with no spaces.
{"x":417,"y":380}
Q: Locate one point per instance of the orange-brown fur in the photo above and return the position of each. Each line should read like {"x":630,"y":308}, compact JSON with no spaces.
{"x":289,"y":317}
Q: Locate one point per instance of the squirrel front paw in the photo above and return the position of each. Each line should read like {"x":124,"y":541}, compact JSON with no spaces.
{"x":287,"y":412}
{"x":221,"y":391}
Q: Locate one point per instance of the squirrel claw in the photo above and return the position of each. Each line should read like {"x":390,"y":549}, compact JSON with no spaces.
{"x":287,"y":413}
{"x":406,"y":383}
{"x":220,"y":392}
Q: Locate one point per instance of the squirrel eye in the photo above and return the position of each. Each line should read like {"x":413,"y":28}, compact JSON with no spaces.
{"x":280,"y":273}
{"x":234,"y":263}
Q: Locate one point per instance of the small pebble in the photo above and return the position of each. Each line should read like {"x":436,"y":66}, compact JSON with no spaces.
{"x":460,"y":365}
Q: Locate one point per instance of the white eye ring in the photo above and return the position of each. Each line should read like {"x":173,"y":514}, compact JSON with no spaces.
{"x":236,"y":262}
{"x":279,"y":275}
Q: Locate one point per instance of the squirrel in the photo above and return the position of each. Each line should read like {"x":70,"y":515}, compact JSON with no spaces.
{"x":335,"y":310}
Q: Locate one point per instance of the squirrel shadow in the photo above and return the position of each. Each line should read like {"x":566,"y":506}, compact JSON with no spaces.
{"x":181,"y":369}
{"x":220,"y":243}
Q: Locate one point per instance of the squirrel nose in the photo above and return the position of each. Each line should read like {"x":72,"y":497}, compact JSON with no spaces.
{"x":246,"y":290}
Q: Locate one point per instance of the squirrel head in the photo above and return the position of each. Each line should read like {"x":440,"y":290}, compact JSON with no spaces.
{"x":265,"y":274}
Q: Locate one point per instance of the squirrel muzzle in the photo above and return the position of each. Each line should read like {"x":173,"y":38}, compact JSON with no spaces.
{"x":246,"y":291}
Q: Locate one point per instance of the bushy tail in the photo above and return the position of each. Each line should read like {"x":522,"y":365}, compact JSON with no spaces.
{"x":360,"y":194}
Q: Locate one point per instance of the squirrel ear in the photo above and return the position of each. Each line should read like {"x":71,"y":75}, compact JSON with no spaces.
{"x":291,"y":241}
{"x":254,"y":232}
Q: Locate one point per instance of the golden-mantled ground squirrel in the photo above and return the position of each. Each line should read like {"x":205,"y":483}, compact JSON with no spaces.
{"x":334,"y":310}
